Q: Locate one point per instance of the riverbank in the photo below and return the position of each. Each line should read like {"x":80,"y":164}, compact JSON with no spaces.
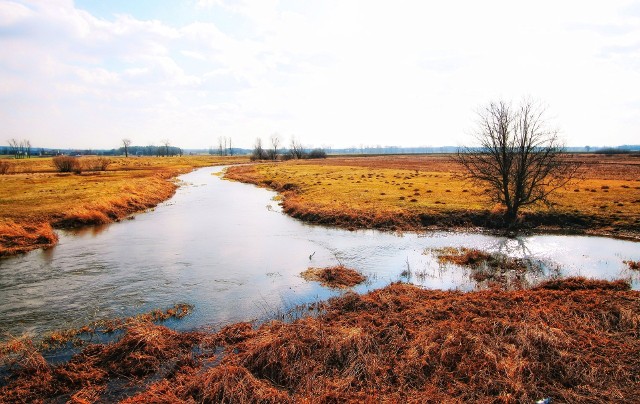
{"x":571,"y":340}
{"x":35,"y":199}
{"x":418,"y":193}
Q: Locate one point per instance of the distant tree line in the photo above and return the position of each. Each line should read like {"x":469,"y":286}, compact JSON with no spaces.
{"x":276,"y":152}
{"x":20,"y":148}
{"x":165,"y":150}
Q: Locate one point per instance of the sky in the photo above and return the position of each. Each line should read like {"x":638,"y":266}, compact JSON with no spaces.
{"x":331,"y":73}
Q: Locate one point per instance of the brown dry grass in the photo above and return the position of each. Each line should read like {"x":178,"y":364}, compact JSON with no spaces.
{"x":427,"y":192}
{"x":570,"y":340}
{"x":337,"y":276}
{"x":35,"y":197}
{"x":635,"y":265}
{"x":494,"y":270}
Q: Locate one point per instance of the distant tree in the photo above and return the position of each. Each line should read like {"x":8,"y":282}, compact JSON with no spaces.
{"x":275,"y":143}
{"x":27,"y":148}
{"x":222,"y":146}
{"x":167,"y":144}
{"x":125,"y":144}
{"x":295,"y":148}
{"x":258,"y":152}
{"x":14,"y":147}
{"x":229,"y":146}
{"x":520,"y":160}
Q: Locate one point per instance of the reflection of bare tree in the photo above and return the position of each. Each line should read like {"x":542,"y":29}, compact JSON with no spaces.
{"x":512,"y":246}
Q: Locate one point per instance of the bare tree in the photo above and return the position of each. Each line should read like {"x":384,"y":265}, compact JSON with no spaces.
{"x":275,"y":143}
{"x":166,"y":143}
{"x":258,"y":151}
{"x":219,"y":145}
{"x":296,"y":149}
{"x":229,"y":147}
{"x":27,"y":148}
{"x":14,"y":147}
{"x":125,"y":144}
{"x":519,"y":159}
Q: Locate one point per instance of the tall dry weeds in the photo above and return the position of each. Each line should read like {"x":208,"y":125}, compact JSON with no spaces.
{"x":572,"y":342}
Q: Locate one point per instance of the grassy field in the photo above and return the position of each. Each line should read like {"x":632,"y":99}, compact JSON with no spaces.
{"x":567,"y":340}
{"x":426,"y":192}
{"x":35,"y":198}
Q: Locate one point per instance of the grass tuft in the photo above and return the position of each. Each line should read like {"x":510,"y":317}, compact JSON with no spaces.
{"x":337,"y":276}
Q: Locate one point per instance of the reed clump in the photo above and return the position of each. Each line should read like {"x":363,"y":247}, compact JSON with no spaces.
{"x":571,"y":340}
{"x":635,"y":265}
{"x":337,"y":276}
{"x":490,"y":269}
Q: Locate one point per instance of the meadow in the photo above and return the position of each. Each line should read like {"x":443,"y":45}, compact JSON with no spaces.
{"x":428,"y":192}
{"x":35,"y":198}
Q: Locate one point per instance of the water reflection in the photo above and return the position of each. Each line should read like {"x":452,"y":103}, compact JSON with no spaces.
{"x":217,"y":246}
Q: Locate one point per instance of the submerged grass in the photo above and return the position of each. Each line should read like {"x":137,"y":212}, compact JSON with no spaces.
{"x":493,"y":270}
{"x":427,"y":192}
{"x":35,"y":198}
{"x":568,"y":340}
{"x":337,"y":276}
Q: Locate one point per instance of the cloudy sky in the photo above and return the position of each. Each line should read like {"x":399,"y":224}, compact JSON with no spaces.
{"x":343,"y":73}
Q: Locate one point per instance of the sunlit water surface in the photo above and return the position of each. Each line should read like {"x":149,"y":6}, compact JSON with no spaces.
{"x":226,"y":248}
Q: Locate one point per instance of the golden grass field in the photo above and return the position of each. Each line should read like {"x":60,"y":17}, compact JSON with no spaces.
{"x":34,"y":198}
{"x":425,"y":192}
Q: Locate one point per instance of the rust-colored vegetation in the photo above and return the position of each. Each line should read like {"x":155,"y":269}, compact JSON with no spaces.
{"x":35,"y":196}
{"x":492,"y":269}
{"x":569,"y":340}
{"x":337,"y":276}
{"x":427,"y":192}
{"x":59,"y":338}
{"x":635,"y":265}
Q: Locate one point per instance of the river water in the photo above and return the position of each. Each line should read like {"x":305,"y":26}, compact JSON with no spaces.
{"x":226,"y":248}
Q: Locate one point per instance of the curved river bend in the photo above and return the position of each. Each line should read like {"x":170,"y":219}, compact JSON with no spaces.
{"x":227,"y":249}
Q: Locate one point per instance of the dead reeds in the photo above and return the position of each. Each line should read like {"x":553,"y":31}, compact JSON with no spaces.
{"x":337,"y":276}
{"x":635,"y":265}
{"x":571,"y":341}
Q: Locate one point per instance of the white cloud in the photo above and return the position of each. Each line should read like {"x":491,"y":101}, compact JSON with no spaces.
{"x":336,"y":72}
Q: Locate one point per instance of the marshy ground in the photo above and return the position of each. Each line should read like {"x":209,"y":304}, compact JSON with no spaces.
{"x":570,"y":340}
{"x":427,"y":192}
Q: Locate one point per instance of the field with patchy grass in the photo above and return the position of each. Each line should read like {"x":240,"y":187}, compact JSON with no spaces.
{"x":35,"y":198}
{"x":427,"y":192}
{"x":569,"y":340}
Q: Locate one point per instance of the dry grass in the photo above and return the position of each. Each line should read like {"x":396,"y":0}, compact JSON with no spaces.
{"x":635,"y":265}
{"x":34,"y":198}
{"x":427,"y":192}
{"x":337,"y":276}
{"x":494,"y":270}
{"x":573,"y":341}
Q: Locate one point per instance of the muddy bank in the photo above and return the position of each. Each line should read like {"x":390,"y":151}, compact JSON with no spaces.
{"x":569,"y":340}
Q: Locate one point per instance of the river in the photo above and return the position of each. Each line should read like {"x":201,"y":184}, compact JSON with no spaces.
{"x":226,"y":248}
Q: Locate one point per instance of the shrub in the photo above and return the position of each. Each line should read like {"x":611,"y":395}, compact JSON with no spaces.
{"x":97,"y":164}
{"x":66,"y":164}
{"x":5,"y":167}
{"x":317,"y":154}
